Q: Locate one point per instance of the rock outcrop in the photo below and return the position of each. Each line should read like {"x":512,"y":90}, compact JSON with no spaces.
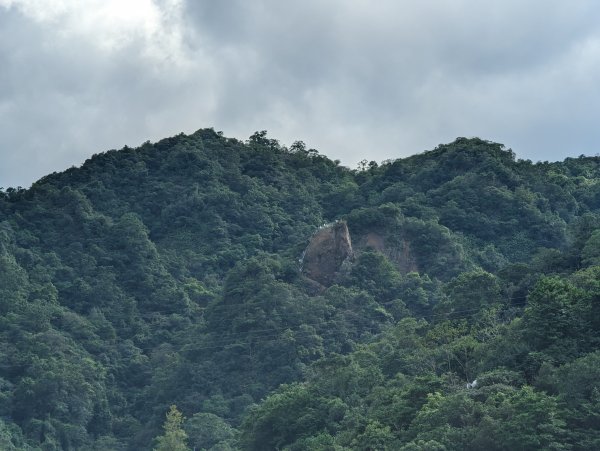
{"x":400,"y":253}
{"x":327,"y":251}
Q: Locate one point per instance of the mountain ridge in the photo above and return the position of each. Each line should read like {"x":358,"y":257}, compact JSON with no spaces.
{"x":168,"y":274}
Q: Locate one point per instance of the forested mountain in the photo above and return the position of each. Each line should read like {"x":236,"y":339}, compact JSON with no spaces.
{"x":445,"y":301}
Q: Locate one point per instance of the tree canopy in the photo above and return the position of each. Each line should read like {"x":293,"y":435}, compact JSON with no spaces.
{"x":171,"y":274}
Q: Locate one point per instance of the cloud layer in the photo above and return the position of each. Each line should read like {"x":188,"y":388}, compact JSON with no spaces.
{"x":355,"y":79}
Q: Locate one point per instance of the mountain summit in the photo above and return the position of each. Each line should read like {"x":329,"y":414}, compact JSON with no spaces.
{"x":185,"y":292}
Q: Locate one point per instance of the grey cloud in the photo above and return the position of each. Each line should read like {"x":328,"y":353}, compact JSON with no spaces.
{"x":64,"y":100}
{"x":414,"y":75}
{"x":354,"y":79}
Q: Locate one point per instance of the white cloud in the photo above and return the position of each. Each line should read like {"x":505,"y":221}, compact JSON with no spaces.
{"x":111,"y":25}
{"x":354,"y":79}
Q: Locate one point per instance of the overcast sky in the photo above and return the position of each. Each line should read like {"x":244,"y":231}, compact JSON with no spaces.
{"x":352,"y":78}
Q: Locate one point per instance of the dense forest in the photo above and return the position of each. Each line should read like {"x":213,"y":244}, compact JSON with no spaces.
{"x":158,"y":298}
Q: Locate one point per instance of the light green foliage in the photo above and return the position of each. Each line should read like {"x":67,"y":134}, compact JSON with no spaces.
{"x":174,"y":437}
{"x":11,"y":438}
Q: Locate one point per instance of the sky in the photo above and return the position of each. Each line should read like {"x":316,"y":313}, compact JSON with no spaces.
{"x":355,"y":79}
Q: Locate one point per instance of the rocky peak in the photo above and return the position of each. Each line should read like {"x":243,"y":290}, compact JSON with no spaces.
{"x":327,"y":250}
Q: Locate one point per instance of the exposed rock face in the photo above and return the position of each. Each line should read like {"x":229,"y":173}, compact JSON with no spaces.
{"x":328,"y":249}
{"x":399,"y":254}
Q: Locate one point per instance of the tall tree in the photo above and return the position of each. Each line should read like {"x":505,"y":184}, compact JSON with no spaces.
{"x":174,"y":438}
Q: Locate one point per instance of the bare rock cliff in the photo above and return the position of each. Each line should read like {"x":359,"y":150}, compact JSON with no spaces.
{"x":400,"y":253}
{"x":328,"y":249}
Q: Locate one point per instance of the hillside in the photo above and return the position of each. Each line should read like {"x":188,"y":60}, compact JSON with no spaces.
{"x":448,"y":300}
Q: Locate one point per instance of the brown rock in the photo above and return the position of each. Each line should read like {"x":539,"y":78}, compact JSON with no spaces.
{"x":399,"y":253}
{"x":328,"y":249}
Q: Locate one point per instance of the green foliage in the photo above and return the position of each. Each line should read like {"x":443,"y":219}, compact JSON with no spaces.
{"x":590,"y":254}
{"x":469,"y":317}
{"x":372,"y":272}
{"x":553,"y":321}
{"x":506,"y":420}
{"x":174,"y":438}
{"x":208,"y":431}
{"x":472,"y":291}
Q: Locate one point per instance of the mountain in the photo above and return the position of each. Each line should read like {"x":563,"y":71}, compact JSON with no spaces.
{"x":278,"y":300}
